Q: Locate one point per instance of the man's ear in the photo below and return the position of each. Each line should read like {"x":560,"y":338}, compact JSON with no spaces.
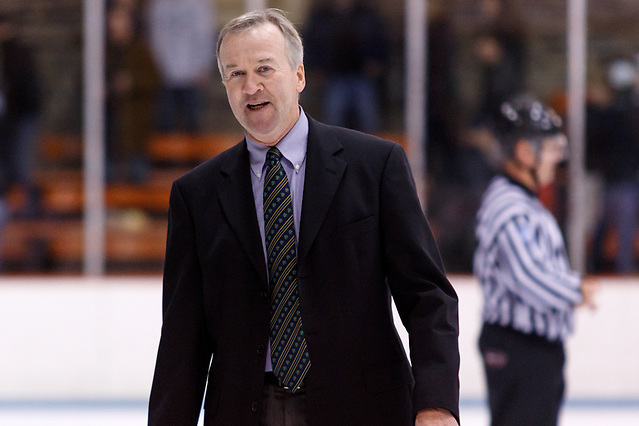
{"x":301,"y":78}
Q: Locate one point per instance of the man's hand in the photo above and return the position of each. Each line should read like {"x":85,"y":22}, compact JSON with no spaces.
{"x":589,"y":289}
{"x":435,"y":417}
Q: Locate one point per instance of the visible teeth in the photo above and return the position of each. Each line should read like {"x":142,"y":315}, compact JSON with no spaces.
{"x":256,"y":106}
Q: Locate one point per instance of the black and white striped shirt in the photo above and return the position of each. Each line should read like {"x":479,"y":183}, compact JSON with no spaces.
{"x":521,"y":263}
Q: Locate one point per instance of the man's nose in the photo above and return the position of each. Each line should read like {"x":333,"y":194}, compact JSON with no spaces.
{"x":252,"y":84}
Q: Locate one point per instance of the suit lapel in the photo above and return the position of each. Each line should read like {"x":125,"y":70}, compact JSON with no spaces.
{"x":236,"y":198}
{"x":324,"y":171}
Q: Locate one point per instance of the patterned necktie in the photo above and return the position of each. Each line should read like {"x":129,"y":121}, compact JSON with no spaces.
{"x":288,"y":347}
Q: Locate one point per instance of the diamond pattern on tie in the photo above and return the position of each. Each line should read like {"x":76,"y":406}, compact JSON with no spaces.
{"x":289,"y":353}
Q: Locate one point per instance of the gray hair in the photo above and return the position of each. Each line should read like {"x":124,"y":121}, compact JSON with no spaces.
{"x":249,"y":20}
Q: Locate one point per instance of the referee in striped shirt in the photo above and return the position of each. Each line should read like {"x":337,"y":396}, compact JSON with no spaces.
{"x":528,"y":287}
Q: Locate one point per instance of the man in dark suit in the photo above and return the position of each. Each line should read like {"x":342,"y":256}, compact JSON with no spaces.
{"x":359,"y":236}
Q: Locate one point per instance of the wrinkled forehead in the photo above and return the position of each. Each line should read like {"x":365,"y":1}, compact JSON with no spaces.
{"x":261,"y":41}
{"x":265,"y":32}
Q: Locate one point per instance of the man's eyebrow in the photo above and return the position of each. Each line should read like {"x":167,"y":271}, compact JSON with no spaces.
{"x":261,"y":61}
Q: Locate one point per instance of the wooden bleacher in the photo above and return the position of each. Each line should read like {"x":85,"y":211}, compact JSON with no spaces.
{"x":136,"y":213}
{"x":64,"y":239}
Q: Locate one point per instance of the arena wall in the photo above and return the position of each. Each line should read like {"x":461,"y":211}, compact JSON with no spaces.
{"x":95,"y":339}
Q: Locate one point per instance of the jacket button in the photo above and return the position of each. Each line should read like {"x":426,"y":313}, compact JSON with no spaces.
{"x":264,"y":295}
{"x":254,"y":407}
{"x":260,"y":349}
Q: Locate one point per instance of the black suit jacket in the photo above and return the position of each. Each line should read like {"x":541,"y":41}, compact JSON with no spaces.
{"x":363,"y":236}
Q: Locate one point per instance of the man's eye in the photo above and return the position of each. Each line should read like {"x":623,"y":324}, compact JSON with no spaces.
{"x":265,"y":69}
{"x":235,"y":74}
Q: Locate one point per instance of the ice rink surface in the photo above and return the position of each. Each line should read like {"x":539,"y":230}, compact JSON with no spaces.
{"x":472,"y":414}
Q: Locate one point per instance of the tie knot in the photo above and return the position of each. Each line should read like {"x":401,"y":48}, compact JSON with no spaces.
{"x":273,"y":156}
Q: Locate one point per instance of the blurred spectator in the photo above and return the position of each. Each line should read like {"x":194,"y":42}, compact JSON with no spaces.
{"x":616,"y":143}
{"x":4,"y":182}
{"x":19,"y":116}
{"x":460,"y":163}
{"x":347,"y":44}
{"x":442,"y":111}
{"x":132,"y":82}
{"x":453,"y":203}
{"x":129,"y":5}
{"x":501,"y":50}
{"x":465,"y":161}
{"x":182,"y":35}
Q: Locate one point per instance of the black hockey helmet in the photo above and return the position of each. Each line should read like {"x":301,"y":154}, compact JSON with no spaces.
{"x":523,"y":116}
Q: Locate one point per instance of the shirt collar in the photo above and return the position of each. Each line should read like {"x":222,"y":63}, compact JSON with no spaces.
{"x":292,"y":146}
{"x":519,"y":184}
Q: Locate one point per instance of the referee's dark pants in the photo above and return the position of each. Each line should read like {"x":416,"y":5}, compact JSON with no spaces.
{"x":524,"y":375}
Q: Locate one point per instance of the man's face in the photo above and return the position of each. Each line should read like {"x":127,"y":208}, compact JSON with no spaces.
{"x":261,"y":87}
{"x":554,"y":150}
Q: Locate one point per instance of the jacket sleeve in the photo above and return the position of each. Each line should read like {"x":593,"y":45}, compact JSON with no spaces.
{"x":425,"y":299}
{"x":184,"y":351}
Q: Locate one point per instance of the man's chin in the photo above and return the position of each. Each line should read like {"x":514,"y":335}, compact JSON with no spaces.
{"x":263,"y":138}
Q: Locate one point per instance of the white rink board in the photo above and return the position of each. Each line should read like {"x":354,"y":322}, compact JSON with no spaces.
{"x":75,"y":338}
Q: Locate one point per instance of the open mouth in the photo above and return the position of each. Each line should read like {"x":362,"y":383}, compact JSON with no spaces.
{"x":257,"y":106}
